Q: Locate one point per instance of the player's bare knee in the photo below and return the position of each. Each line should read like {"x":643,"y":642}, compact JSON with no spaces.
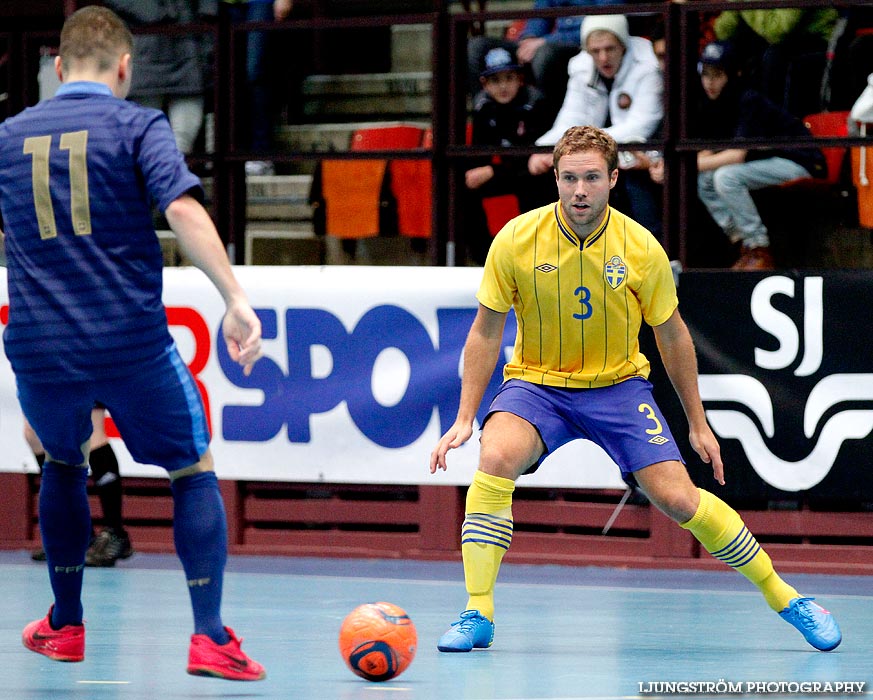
{"x":677,"y":504}
{"x":497,"y":459}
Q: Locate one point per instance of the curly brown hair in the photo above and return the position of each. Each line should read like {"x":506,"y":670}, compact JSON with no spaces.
{"x":577,"y":139}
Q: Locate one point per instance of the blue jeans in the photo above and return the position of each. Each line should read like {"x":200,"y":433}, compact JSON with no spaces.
{"x":258,"y":97}
{"x":725,"y":192}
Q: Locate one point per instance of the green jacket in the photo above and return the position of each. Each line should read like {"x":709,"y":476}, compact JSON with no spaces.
{"x":774,"y":26}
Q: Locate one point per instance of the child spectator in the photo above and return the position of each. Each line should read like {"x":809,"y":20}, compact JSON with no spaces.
{"x":543,"y":47}
{"x":506,"y":113}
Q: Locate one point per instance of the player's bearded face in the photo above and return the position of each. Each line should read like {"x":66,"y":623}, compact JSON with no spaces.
{"x":584,"y":182}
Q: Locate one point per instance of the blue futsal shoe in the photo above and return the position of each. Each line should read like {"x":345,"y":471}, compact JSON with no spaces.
{"x":472,"y":631}
{"x":816,"y":624}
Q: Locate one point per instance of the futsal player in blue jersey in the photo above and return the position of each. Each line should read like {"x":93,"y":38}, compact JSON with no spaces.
{"x":78,"y":175}
{"x":582,"y":278}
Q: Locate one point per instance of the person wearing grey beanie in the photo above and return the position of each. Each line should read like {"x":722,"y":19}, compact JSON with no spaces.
{"x":615,"y":83}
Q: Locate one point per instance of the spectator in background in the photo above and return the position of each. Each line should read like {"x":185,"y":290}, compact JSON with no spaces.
{"x":258,"y":119}
{"x":543,"y":47}
{"x":729,"y":110}
{"x":781,"y":50}
{"x":506,"y":113}
{"x":615,"y":84}
{"x":170,"y":70}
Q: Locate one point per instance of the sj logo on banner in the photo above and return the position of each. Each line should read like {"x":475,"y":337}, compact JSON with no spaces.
{"x":798,"y":345}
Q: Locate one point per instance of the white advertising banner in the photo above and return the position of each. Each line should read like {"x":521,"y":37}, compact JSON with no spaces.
{"x":360,"y":377}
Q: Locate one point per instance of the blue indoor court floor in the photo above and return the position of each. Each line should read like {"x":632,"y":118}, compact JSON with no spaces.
{"x":562,"y":633}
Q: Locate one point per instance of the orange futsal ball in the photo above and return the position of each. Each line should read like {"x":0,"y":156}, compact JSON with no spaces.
{"x":378,"y":641}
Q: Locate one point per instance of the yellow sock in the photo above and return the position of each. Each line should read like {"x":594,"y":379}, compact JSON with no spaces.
{"x":721,"y":530}
{"x":485,"y":537}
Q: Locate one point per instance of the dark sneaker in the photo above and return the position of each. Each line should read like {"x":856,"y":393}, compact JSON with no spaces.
{"x":65,"y":644}
{"x":816,"y":624}
{"x":228,"y":661}
{"x":108,"y":547}
{"x":472,"y":631}
{"x":755,"y":259}
{"x":39,"y":553}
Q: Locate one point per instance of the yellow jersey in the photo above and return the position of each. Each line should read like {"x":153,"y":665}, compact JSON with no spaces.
{"x":578,"y":304}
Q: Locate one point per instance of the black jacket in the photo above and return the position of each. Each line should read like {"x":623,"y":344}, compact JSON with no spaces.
{"x":519,"y":123}
{"x":741,"y":113}
{"x":166,"y":63}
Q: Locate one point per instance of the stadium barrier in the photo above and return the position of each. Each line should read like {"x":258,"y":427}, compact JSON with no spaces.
{"x":324,"y":449}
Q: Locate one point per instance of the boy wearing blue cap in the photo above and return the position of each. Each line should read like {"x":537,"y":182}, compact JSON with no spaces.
{"x":506,"y":113}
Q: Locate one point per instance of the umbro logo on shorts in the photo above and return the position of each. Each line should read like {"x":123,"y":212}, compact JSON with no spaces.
{"x":659,"y":440}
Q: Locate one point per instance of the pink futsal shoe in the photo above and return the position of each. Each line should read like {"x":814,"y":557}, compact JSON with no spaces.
{"x":65,"y":644}
{"x":228,"y":661}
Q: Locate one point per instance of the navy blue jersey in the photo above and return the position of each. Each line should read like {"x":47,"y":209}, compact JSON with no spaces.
{"x":78,"y":176}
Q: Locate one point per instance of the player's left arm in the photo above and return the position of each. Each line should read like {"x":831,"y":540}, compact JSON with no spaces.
{"x":677,"y":353}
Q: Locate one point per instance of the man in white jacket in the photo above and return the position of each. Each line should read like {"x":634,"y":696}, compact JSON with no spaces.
{"x":616,"y":84}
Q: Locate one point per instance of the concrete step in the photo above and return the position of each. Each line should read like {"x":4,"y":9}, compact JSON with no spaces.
{"x":282,"y":243}
{"x":274,"y":197}
{"x":411,"y":48}
{"x":330,"y":137}
{"x":377,"y":251}
{"x":378,"y":96}
{"x":295,"y":243}
{"x":170,"y":249}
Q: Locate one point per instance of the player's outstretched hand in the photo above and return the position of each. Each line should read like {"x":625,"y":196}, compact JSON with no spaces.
{"x":706,"y":446}
{"x":456,"y":436}
{"x":241,"y":329}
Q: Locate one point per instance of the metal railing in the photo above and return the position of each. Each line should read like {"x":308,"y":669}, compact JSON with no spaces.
{"x":451,"y":25}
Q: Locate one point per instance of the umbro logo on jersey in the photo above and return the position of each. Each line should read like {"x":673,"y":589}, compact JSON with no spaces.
{"x":615,"y":271}
{"x":659,"y":440}
{"x":546,"y":267}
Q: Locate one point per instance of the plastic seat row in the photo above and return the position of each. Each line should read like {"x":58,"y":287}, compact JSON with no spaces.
{"x":366,"y":198}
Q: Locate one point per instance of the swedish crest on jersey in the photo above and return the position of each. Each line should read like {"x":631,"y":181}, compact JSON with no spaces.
{"x":615,"y":272}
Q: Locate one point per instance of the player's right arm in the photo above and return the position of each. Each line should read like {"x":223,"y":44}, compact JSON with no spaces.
{"x":481,"y":351}
{"x":201,"y":244}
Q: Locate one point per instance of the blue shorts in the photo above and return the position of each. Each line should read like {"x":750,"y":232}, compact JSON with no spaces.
{"x":157,"y":410}
{"x":623,"y":419}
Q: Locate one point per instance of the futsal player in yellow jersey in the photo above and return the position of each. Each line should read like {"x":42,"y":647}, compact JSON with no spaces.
{"x":582,"y":277}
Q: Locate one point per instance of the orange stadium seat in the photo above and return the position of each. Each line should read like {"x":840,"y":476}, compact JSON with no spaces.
{"x":411,"y":187}
{"x":826,"y":124}
{"x":498,"y":210}
{"x":830,"y":124}
{"x":353,"y":190}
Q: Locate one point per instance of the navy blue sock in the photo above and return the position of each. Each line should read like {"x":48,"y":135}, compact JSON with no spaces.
{"x":200,"y":535}
{"x":65,"y":524}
